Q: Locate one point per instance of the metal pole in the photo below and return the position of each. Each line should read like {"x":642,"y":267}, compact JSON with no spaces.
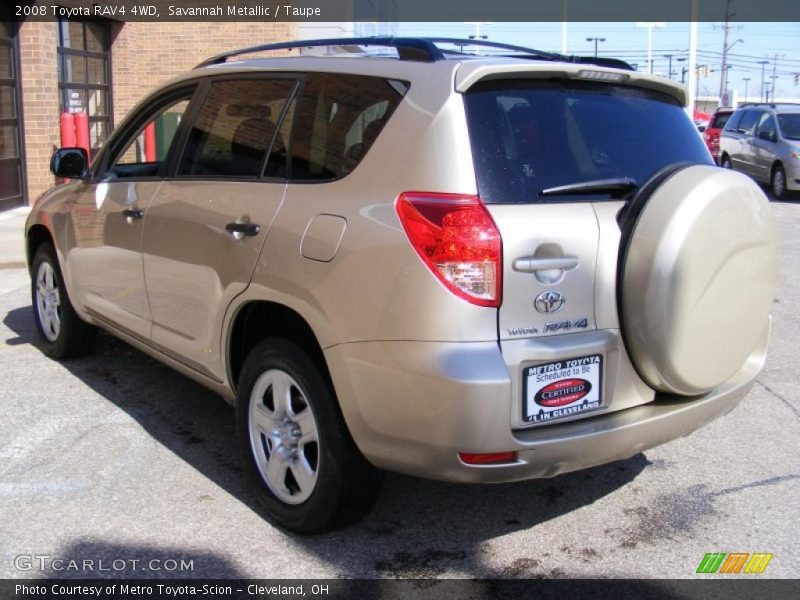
{"x":746,"y":80}
{"x":723,"y":75}
{"x":692,"y":58}
{"x":595,"y":40}
{"x":763,"y":64}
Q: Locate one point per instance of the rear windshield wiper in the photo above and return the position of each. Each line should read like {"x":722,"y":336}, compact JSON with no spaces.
{"x":616,"y":186}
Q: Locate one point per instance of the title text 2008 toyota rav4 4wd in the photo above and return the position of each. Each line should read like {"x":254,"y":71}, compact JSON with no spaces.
{"x":463,"y":267}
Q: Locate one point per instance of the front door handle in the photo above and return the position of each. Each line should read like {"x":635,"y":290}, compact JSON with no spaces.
{"x":239,"y":230}
{"x":131,"y":214}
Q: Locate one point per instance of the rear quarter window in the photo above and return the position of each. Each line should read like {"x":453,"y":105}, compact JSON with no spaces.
{"x":338,"y":119}
{"x":748,"y":122}
{"x":530,"y":135}
{"x":733,"y":122}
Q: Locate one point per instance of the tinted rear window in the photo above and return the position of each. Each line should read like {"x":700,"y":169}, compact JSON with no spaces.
{"x":530,"y":135}
{"x":719,"y":120}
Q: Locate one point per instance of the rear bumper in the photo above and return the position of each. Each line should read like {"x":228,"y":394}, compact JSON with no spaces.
{"x":412,"y":407}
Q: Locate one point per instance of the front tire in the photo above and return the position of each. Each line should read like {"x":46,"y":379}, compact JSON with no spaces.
{"x":725,"y":162}
{"x":62,"y":332}
{"x":778,"y":182}
{"x":298,"y":454}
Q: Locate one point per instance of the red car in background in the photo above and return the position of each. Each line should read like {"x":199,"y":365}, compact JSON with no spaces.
{"x":715,"y":125}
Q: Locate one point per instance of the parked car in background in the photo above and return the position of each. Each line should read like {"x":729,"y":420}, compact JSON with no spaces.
{"x":763,"y":140}
{"x":454,"y":265}
{"x":712,"y":132}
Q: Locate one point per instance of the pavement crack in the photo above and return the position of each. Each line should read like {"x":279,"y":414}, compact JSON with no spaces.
{"x":781,"y":398}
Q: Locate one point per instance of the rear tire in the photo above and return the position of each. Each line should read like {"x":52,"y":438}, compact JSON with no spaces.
{"x":62,"y":332}
{"x":778,"y":182}
{"x":298,"y":454}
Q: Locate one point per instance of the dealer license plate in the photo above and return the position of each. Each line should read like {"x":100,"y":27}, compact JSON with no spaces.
{"x":562,"y":389}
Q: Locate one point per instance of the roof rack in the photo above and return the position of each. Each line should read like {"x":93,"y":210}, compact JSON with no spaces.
{"x":770,"y":104}
{"x":418,"y":49}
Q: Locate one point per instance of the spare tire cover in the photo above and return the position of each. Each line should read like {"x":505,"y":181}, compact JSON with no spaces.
{"x":698,"y":273}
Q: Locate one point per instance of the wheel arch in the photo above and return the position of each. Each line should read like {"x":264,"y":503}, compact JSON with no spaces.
{"x":258,"y":319}
{"x":37,"y":235}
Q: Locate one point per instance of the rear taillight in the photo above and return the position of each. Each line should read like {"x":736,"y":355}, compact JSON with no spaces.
{"x":457,"y":239}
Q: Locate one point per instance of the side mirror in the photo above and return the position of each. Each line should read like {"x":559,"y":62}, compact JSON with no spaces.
{"x":69,"y":163}
{"x":768,"y":136}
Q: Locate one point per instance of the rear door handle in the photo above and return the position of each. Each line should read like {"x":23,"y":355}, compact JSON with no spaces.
{"x":239,"y":230}
{"x":132,"y":213}
{"x":532,"y":265}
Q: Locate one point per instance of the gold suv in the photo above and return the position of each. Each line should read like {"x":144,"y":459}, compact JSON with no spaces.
{"x":418,"y":258}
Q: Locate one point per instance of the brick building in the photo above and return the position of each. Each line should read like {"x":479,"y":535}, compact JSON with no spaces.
{"x":103,"y":69}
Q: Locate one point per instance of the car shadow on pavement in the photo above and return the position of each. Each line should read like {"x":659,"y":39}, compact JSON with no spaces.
{"x":418,"y":528}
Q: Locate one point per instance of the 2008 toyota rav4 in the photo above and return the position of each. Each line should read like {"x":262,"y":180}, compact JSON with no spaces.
{"x":458,"y":266}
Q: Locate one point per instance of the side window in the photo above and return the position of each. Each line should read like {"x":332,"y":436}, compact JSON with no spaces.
{"x":339,"y":118}
{"x":142,"y":154}
{"x":767,"y":125}
{"x":235,"y":127}
{"x":733,"y":122}
{"x":748,"y":122}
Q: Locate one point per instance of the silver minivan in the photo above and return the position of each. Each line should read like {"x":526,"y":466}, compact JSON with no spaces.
{"x":429,"y":259}
{"x":763,"y":141}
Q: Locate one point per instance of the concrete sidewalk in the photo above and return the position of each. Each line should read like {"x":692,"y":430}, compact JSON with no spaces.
{"x":13,"y":268}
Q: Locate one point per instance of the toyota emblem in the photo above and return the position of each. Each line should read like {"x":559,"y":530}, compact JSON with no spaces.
{"x":549,"y":302}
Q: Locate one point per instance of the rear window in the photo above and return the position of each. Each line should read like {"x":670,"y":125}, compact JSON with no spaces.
{"x":790,"y":126}
{"x":530,"y":135}
{"x":719,"y":120}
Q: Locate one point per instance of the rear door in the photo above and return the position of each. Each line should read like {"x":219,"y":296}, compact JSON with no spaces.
{"x":764,"y":146}
{"x":531,"y":137}
{"x":742,"y":155}
{"x":206,"y":226}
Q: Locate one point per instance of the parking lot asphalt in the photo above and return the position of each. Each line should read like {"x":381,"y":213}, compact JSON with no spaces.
{"x":115,"y":457}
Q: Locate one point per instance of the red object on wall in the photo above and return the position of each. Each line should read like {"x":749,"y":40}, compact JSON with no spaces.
{"x":67,"y":130}
{"x":150,"y":142}
{"x":82,"y":131}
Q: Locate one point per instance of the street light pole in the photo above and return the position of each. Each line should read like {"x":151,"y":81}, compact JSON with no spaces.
{"x":650,"y":27}
{"x":595,"y":40}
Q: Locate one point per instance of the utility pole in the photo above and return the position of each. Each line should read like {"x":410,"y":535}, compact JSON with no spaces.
{"x":669,"y":57}
{"x":774,"y":75}
{"x":746,"y":81}
{"x":763,"y":64}
{"x":726,"y":27}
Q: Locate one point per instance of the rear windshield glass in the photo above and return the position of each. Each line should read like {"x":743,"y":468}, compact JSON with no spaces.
{"x":531,"y":135}
{"x":719,"y":120}
{"x":790,"y":126}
